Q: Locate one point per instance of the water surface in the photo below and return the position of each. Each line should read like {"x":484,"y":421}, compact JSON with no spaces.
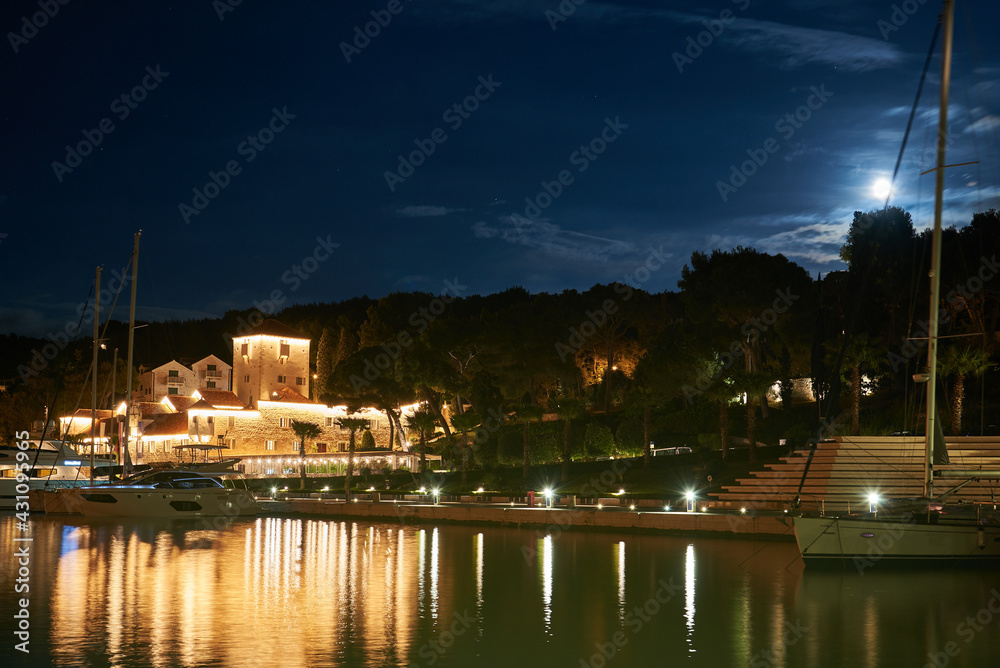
{"x":291,"y":592}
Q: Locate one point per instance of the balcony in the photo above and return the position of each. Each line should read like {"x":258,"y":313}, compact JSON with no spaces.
{"x":173,"y":381}
{"x":212,"y":375}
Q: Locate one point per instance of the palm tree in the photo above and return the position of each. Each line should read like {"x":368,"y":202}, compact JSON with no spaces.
{"x":422,"y":423}
{"x":961,"y":361}
{"x":305,"y":431}
{"x":862,"y":354}
{"x":568,"y":410}
{"x":463,"y":423}
{"x":353,"y":425}
{"x":525,"y":414}
{"x":754,"y":384}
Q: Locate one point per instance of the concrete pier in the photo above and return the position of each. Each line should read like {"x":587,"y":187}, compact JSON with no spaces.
{"x":751,"y":525}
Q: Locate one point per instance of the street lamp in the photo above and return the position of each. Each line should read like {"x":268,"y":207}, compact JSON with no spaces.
{"x":690,"y":497}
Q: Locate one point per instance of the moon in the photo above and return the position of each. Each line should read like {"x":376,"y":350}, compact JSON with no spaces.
{"x":881,"y":188}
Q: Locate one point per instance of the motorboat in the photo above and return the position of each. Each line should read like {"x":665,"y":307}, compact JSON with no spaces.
{"x":48,"y":465}
{"x":171,"y":493}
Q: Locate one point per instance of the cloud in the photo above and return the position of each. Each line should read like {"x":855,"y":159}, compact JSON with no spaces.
{"x":552,"y":239}
{"x":425,"y":211}
{"x":984,"y":124}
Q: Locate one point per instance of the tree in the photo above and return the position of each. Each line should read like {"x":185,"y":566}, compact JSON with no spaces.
{"x":463,"y":423}
{"x":568,"y":410}
{"x":753,"y":385}
{"x":353,"y":425}
{"x":863,"y":355}
{"x":962,"y":361}
{"x":325,"y":354}
{"x":305,"y":431}
{"x":367,"y":441}
{"x":422,"y":423}
{"x":525,"y":414}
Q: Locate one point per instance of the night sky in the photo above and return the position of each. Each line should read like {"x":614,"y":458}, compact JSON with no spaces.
{"x":487,"y":144}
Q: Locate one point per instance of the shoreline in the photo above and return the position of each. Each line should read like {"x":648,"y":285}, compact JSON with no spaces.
{"x":703,"y":524}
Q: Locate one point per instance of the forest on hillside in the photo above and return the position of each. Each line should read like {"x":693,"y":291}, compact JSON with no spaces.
{"x":621,"y":367}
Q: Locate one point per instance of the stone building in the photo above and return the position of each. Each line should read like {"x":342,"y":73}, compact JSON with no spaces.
{"x":270,"y":378}
{"x":175,"y":378}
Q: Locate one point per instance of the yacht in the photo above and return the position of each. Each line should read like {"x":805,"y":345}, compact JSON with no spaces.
{"x":171,"y":493}
{"x":50,"y":465}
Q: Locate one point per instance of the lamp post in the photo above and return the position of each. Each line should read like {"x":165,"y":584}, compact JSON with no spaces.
{"x":690,"y":501}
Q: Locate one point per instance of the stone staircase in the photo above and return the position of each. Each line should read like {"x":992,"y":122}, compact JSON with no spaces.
{"x":846,"y":470}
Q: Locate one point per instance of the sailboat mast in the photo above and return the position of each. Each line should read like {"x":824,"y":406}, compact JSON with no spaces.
{"x":947,"y":16}
{"x":131,"y":336}
{"x":93,"y":381}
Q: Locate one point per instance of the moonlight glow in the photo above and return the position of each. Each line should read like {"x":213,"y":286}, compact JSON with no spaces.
{"x":881,"y":188}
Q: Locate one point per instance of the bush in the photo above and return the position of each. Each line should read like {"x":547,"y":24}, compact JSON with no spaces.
{"x":629,"y":438}
{"x":598,"y":441}
{"x":510,"y":451}
{"x":367,"y":441}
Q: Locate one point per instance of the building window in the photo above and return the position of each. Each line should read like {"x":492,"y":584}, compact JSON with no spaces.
{"x":246,"y":378}
{"x":300,"y":381}
{"x":172,"y":373}
{"x":210,"y":384}
{"x":211,"y":367}
{"x":373,"y":424}
{"x":171,"y":390}
{"x":211,"y":420}
{"x":329,"y":422}
{"x":283,"y":349}
{"x":321,"y":448}
{"x":245,"y":350}
{"x":232,"y":421}
{"x":296,"y":445}
{"x":270,"y":445}
{"x":281,"y":379}
{"x":342,"y":447}
{"x":231,"y":442}
{"x":282,"y":422}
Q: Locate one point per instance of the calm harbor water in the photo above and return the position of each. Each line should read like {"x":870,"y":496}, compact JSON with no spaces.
{"x":290,"y":592}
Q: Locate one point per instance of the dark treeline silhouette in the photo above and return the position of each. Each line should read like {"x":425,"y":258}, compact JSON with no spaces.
{"x":617,"y":367}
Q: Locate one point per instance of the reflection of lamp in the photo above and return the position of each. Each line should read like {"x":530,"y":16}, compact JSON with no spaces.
{"x":873,"y":503}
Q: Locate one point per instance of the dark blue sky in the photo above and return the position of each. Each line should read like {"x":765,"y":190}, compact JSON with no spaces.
{"x":631,"y":139}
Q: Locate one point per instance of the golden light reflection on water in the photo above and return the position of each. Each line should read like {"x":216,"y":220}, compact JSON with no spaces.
{"x":182,"y":593}
{"x":292,"y":592}
{"x":689,"y":580}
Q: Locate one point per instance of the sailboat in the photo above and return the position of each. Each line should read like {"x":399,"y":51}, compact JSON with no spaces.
{"x":929,"y":529}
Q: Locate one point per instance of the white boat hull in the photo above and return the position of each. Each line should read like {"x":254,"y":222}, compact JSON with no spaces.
{"x":146,"y":502}
{"x":868,"y":540}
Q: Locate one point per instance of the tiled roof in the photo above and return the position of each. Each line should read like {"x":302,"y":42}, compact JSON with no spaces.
{"x":172,"y":424}
{"x":220,"y":398}
{"x":289,"y":395}
{"x":272,"y":327}
{"x":180,"y":402}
